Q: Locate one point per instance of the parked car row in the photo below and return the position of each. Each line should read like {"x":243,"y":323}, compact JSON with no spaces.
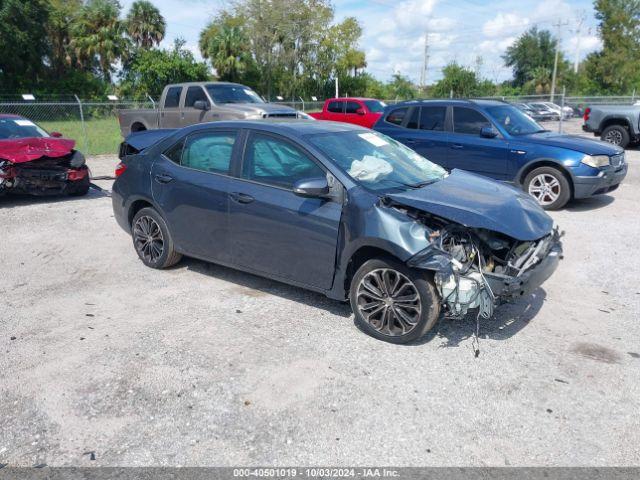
{"x":545,"y":111}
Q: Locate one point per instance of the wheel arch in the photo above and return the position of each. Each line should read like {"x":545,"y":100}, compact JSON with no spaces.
{"x":138,"y":126}
{"x":138,"y":204}
{"x":609,"y":121}
{"x":544,"y":162}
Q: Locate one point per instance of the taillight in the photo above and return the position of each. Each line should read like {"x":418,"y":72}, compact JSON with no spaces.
{"x":120,"y":168}
{"x":587,"y":112}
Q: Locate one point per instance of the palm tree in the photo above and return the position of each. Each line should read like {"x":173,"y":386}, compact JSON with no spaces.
{"x":145,"y":25}
{"x":98,"y":36}
{"x":229,"y":53}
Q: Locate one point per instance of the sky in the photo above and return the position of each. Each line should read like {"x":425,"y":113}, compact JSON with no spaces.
{"x":456,"y":30}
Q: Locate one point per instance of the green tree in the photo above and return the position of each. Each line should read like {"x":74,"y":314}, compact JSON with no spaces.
{"x":616,"y":68}
{"x":63,"y":14}
{"x":23,"y":43}
{"x":149,"y":71}
{"x":228,"y":51}
{"x":401,"y":88}
{"x":462,"y":81}
{"x":145,"y":25}
{"x":533,"y":49}
{"x":98,"y":36}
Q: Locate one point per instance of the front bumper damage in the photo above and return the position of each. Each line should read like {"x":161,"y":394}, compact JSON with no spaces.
{"x":44,"y":176}
{"x":469,"y":274}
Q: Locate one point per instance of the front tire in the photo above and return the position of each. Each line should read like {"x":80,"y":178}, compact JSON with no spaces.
{"x":393,"y":303}
{"x":549,"y":187}
{"x":152,"y":239}
{"x":616,"y":135}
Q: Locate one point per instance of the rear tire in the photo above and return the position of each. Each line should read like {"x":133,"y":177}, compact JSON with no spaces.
{"x":152,"y":240}
{"x":549,"y":187}
{"x":616,"y":135}
{"x":79,"y":188}
{"x":392,"y":302}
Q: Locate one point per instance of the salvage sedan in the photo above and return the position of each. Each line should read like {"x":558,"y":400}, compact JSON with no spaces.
{"x":38,"y":163}
{"x":338,"y":209}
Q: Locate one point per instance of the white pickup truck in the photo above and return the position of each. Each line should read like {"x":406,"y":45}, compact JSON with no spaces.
{"x":184,"y":104}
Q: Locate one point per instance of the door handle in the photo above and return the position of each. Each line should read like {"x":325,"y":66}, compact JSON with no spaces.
{"x":162,"y":178}
{"x":457,"y":146}
{"x":241,"y":197}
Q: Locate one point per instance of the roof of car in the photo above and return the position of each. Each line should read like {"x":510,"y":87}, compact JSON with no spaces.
{"x":453,"y":101}
{"x":291,"y":127}
{"x":352,"y":98}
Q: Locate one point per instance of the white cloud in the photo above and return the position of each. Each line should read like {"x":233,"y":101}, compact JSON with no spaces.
{"x":504,"y":23}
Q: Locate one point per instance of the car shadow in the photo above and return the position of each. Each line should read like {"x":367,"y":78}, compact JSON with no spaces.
{"x":590,"y":203}
{"x":508,"y":319}
{"x":20,"y":200}
{"x":254,"y":286}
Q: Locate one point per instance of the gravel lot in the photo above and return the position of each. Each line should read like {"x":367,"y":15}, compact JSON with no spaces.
{"x":203,"y":365}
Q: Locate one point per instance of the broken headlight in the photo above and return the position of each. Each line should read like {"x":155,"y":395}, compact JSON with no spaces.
{"x":596,"y":161}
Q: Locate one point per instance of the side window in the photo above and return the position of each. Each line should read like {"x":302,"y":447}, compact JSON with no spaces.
{"x":277,"y":162}
{"x":414,"y":120}
{"x":209,"y":151}
{"x":466,"y":120}
{"x":432,"y":118}
{"x":172,"y":100}
{"x":193,"y":95}
{"x":352,"y":107}
{"x":397,"y":116}
{"x":335,"y":107}
{"x":175,"y":152}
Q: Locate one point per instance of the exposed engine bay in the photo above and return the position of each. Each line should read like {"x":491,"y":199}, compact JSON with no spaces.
{"x":476,"y":268}
{"x":66,"y":174}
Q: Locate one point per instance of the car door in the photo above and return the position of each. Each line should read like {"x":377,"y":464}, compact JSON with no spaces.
{"x":190,"y":183}
{"x":351,"y":115}
{"x":170,"y":113}
{"x":335,"y":111}
{"x":191,"y":115}
{"x":421,"y":128}
{"x":468,"y":150}
{"x":273,"y":230}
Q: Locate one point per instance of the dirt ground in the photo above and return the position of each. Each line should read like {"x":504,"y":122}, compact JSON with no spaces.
{"x":106,"y":362}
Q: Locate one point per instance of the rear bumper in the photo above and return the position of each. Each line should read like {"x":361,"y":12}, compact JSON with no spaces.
{"x":49,"y":181}
{"x":606,"y":181}
{"x":587,"y":128}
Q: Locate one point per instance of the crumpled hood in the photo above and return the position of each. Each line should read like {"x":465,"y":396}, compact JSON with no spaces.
{"x":479,"y":202}
{"x":572,"y":142}
{"x":20,"y":150}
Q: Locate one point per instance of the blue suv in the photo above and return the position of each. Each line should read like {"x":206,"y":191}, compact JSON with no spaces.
{"x":496,"y":139}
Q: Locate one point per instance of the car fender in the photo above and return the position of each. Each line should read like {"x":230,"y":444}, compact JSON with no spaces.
{"x":543,"y":162}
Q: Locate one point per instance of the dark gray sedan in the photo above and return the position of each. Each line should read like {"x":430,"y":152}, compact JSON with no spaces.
{"x":338,"y":209}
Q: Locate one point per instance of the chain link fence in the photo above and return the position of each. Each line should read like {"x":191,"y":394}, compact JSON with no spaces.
{"x":92,"y":124}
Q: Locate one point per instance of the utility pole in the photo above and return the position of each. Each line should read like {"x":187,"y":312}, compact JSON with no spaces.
{"x":425,"y":60}
{"x":337,"y":87}
{"x":578,"y":30}
{"x":558,"y":25}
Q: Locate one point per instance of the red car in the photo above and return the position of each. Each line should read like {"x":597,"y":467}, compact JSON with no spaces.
{"x":359,"y":111}
{"x":35,"y":162}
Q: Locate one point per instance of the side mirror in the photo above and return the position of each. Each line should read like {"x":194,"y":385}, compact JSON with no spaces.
{"x":360,"y":111}
{"x":311,"y":187}
{"x":201,"y":105}
{"x":56,"y":134}
{"x":488,"y":132}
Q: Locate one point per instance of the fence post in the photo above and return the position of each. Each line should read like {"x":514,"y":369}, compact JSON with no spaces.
{"x":564,"y":90}
{"x":84,"y":128}
{"x":152,"y":101}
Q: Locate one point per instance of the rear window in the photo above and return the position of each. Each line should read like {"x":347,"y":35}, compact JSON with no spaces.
{"x":172,"y":100}
{"x":396,"y":116}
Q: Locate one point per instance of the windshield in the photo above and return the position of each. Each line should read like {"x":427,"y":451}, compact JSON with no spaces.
{"x":375,"y":106}
{"x":376,"y":161}
{"x":514,"y":121}
{"x":20,"y":128}
{"x":233,"y":94}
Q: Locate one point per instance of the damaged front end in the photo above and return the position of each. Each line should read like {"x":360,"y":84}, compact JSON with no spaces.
{"x":477,"y":268}
{"x":66,"y":174}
